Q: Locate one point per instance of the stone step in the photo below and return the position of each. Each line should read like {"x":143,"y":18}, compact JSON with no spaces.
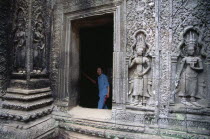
{"x":17,"y":105}
{"x":74,"y":135}
{"x":103,"y":133}
{"x":27,"y":91}
{"x":31,"y":84}
{"x":21,"y":97}
{"x":25,"y":116}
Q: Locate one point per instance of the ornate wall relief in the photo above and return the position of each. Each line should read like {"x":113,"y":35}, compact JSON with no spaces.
{"x":39,"y":63}
{"x":139,"y":64}
{"x":141,"y":52}
{"x":4,"y":35}
{"x":140,"y":15}
{"x":189,"y":26}
{"x":19,"y":19}
{"x":41,"y":26}
{"x":31,"y":55}
{"x":193,"y":19}
{"x":20,"y":42}
{"x":190,"y":84}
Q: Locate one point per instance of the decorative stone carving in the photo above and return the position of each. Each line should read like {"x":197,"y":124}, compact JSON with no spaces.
{"x":39,"y":63}
{"x":140,"y":14}
{"x":55,"y":49}
{"x":150,"y":73}
{"x":28,"y":100}
{"x":163,"y":15}
{"x":140,"y":83}
{"x":41,"y":45}
{"x":4,"y":33}
{"x":74,"y":5}
{"x":3,"y":71}
{"x":190,"y":85}
{"x":20,"y":42}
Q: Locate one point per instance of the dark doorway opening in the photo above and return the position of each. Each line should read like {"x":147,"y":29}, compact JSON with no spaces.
{"x":96,"y":49}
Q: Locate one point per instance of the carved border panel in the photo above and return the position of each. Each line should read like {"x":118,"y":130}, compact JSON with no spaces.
{"x":4,"y":43}
{"x":55,"y":48}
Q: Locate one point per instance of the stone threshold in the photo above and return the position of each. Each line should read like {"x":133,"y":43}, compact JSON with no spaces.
{"x":78,"y":120}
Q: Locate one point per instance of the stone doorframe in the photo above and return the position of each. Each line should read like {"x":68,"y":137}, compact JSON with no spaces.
{"x":69,"y":50}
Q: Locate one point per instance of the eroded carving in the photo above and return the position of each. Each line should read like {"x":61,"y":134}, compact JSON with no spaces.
{"x":140,"y":65}
{"x":20,"y":43}
{"x":189,"y":84}
{"x":39,"y":46}
{"x":4,"y":33}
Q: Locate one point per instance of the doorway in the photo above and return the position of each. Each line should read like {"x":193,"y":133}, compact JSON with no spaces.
{"x":95,"y":38}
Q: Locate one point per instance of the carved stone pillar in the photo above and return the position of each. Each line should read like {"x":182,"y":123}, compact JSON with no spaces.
{"x":207,"y":64}
{"x":4,"y":27}
{"x":28,"y":101}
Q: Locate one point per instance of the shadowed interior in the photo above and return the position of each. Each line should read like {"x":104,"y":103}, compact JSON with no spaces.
{"x":96,"y":50}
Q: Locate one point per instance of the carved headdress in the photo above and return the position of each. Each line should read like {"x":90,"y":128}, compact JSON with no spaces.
{"x":140,"y":42}
{"x":20,"y":14}
{"x":191,"y":37}
{"x":20,"y":20}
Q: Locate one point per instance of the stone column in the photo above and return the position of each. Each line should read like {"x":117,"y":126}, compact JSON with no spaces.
{"x":28,"y":102}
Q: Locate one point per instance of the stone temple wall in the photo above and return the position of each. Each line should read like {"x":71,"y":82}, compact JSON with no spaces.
{"x":26,"y":104}
{"x":161,"y":62}
{"x":4,"y":43}
{"x":161,"y":68}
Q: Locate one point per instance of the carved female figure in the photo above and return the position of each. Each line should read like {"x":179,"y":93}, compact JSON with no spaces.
{"x":39,"y":47}
{"x":190,"y":67}
{"x":141,"y":65}
{"x":20,"y":44}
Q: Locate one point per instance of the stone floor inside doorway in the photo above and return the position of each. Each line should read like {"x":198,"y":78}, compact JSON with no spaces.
{"x":90,"y":113}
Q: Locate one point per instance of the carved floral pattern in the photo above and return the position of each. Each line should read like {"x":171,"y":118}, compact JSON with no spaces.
{"x":140,"y":15}
{"x":164,"y":48}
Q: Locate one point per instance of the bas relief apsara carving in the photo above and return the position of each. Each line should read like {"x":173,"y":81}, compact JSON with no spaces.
{"x":140,"y":66}
{"x":39,"y":46}
{"x":190,"y":84}
{"x":41,"y":26}
{"x":140,"y":15}
{"x":20,"y":42}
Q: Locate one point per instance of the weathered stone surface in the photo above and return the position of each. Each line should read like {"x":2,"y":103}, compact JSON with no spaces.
{"x":162,"y":24}
{"x":27,"y":103}
{"x":4,"y":43}
{"x":44,"y":127}
{"x":161,"y":74}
